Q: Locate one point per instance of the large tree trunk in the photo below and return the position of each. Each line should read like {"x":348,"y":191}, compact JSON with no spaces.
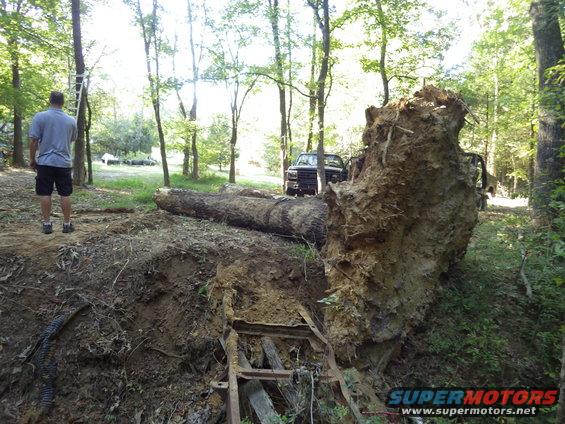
{"x":78,"y":165}
{"x":388,"y":234}
{"x":549,"y":50}
{"x":18,"y":157}
{"x":303,"y":219}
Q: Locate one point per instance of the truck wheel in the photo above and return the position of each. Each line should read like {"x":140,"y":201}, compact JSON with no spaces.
{"x":290,"y":191}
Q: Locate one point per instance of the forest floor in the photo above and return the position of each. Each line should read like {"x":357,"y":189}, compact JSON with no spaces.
{"x":146,"y":347}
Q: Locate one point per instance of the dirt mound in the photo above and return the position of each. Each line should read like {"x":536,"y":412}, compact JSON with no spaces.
{"x":407,"y":214}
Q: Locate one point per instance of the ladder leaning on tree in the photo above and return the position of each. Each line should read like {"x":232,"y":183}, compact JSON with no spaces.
{"x":80,"y":82}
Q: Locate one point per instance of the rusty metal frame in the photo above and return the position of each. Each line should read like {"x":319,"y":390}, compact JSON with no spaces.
{"x":230,"y":390}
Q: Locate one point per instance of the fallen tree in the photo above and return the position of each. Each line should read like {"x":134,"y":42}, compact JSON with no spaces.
{"x":405,"y":215}
{"x":303,"y":219}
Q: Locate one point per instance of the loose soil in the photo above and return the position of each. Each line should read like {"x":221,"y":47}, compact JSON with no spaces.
{"x":146,"y":346}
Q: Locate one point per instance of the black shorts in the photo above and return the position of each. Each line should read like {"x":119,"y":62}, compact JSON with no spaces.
{"x":49,"y":175}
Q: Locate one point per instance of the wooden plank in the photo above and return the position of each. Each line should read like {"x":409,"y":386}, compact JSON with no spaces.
{"x":232,"y":411}
{"x":288,"y":390}
{"x":258,"y":397}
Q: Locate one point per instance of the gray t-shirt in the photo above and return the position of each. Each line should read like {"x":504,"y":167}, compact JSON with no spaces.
{"x":55,"y":131}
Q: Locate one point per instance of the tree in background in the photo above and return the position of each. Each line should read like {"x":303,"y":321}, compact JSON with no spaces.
{"x":151,"y":33}
{"x":123,"y":135}
{"x":273,"y":13}
{"x":195,"y":77}
{"x":312,"y":85}
{"x":215,"y":144}
{"x":402,"y":48}
{"x":323,"y":21}
{"x":29,"y":29}
{"x":234,"y":31}
{"x":499,"y":87}
{"x":78,"y":163}
{"x":549,"y":51}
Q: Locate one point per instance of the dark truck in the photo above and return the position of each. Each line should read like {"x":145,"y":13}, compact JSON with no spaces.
{"x":301,"y":177}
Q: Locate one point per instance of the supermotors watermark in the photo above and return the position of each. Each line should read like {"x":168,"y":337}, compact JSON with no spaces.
{"x":452,"y":402}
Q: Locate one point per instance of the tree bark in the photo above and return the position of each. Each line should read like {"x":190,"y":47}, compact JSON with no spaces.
{"x":382,"y":59}
{"x":87,"y":136}
{"x":150,"y":37}
{"x":274,"y":12}
{"x":324,"y":25}
{"x":192,"y":117}
{"x":78,"y":165}
{"x":18,"y":158}
{"x":312,"y":93}
{"x":233,"y":142}
{"x":549,"y":50}
{"x":302,"y":219}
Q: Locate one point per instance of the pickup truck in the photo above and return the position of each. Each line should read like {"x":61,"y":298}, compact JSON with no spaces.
{"x":301,"y":177}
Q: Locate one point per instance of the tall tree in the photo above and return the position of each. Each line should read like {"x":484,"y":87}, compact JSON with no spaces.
{"x":323,"y":22}
{"x":399,"y":49}
{"x":185,"y":135}
{"x":153,"y":48}
{"x":78,"y":165}
{"x":273,"y":12}
{"x":312,"y":88}
{"x":87,"y":128}
{"x":195,"y":77}
{"x":24,"y":35}
{"x":234,"y":31}
{"x":549,"y":51}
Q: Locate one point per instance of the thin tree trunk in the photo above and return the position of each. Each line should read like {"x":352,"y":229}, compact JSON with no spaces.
{"x":78,"y":165}
{"x":148,"y":36}
{"x":494,"y":134}
{"x":273,"y":12}
{"x":182,"y":110}
{"x":312,"y":92}
{"x":87,"y":135}
{"x":233,"y":142}
{"x":382,"y":59}
{"x":487,"y":126}
{"x":186,"y":160}
{"x":195,"y":72}
{"x":549,"y":50}
{"x":324,"y":25}
{"x":290,"y":80}
{"x":18,"y":158}
{"x":532,"y":145}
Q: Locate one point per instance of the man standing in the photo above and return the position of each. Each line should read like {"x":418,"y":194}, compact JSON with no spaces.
{"x":52,"y":132}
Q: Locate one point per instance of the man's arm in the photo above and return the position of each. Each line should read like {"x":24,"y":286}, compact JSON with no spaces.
{"x":33,"y":143}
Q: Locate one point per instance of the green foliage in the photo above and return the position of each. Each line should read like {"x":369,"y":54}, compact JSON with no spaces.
{"x":483,"y":327}
{"x":35,"y":36}
{"x":500,"y":87}
{"x":412,"y":50}
{"x":303,"y":251}
{"x":215,"y":143}
{"x":124,"y":135}
{"x":272,"y":154}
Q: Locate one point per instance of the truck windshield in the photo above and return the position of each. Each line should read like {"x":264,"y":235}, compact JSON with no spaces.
{"x":312,"y":160}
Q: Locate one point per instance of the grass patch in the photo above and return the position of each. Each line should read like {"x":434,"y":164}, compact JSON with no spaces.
{"x":135,"y":191}
{"x":483,"y":329}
